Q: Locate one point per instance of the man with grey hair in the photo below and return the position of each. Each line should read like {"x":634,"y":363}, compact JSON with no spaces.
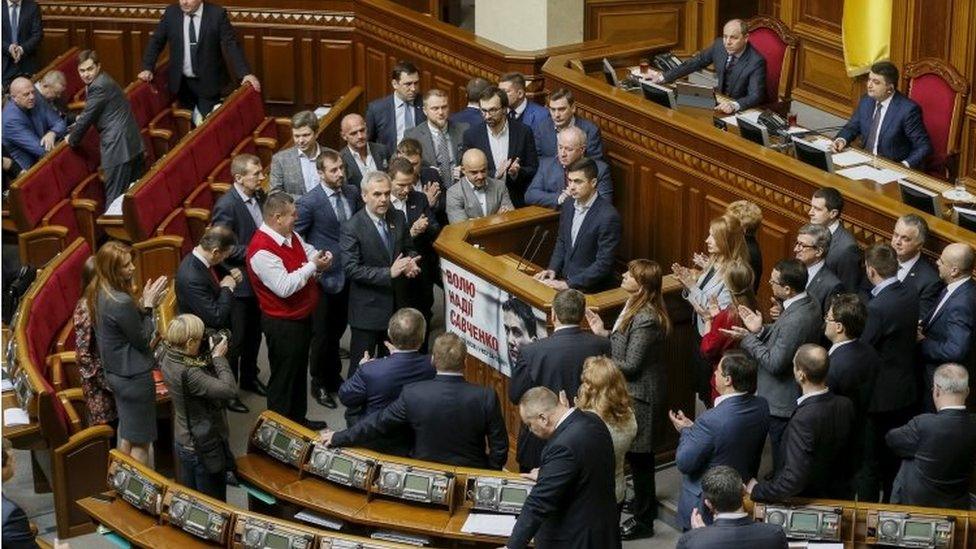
{"x":293,"y":169}
{"x":812,"y":243}
{"x":51,"y":87}
{"x":907,"y":239}
{"x":938,"y":451}
{"x":549,"y":185}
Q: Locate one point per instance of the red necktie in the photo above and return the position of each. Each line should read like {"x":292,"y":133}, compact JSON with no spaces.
{"x":213,"y":274}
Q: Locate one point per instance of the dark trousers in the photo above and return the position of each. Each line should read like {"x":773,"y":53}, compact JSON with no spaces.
{"x":119,"y":177}
{"x":777,"y":426}
{"x":189,"y":96}
{"x":195,"y":476}
{"x":702,"y":372}
{"x":887,"y":462}
{"x":245,"y":339}
{"x":644,"y":505}
{"x":329,"y":322}
{"x":360,"y":342}
{"x":288,"y":357}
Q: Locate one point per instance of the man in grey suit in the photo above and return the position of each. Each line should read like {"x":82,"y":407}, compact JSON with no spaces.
{"x":109,"y":111}
{"x":773,"y":346}
{"x":476,"y":195}
{"x":440,"y":139}
{"x":812,"y":243}
{"x":360,"y":156}
{"x":293,"y":169}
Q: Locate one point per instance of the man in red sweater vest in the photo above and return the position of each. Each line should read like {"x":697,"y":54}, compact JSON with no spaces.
{"x":283,"y":270}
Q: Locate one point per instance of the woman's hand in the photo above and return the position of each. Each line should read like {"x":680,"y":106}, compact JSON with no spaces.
{"x":153,"y":292}
{"x":596,"y":323}
{"x":220,"y":349}
{"x":713,"y":308}
{"x":701,"y":260}
{"x":684,"y":275}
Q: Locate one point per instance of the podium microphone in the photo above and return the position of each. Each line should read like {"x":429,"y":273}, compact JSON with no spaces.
{"x":535,"y":252}
{"x":535,"y":233}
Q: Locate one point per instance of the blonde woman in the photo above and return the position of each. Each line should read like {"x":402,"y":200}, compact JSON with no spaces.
{"x":750,"y":217}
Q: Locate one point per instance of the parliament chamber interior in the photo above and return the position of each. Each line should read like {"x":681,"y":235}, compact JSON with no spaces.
{"x":677,"y":151}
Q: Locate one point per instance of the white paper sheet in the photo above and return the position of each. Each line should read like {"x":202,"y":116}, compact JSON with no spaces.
{"x":815,"y":545}
{"x":796,"y":129}
{"x":821,"y":143}
{"x":489,"y":525}
{"x":850,"y":158}
{"x":751,"y":115}
{"x":887,"y":176}
{"x":115,"y":208}
{"x":6,"y":385}
{"x":15,"y":416}
{"x":864,"y":172}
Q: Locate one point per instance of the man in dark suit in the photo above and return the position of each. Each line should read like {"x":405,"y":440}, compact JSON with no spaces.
{"x":378,"y":256}
{"x":938,"y":450}
{"x":562,"y":115}
{"x":294,"y":169}
{"x":471,"y":114}
{"x":740,"y":68}
{"x":891,"y":329}
{"x":440,"y":139}
{"x":812,"y":243}
{"x":22,"y":35}
{"x":427,"y":179}
{"x":732,"y":432}
{"x":733,"y":528}
{"x":239,"y":209}
{"x":890,"y":124}
{"x":549,"y":187}
{"x":774,"y":346}
{"x":453,"y":421}
{"x":16,"y":528}
{"x":555,"y":362}
{"x":520,"y":108}
{"x":198,"y":34}
{"x":508,"y":145}
{"x":360,"y":156}
{"x":378,"y":382}
{"x":572,"y":503}
{"x":108,"y":110}
{"x":844,"y":255}
{"x":908,"y":239}
{"x":388,"y":118}
{"x":589,"y":232}
{"x":321,"y":214}
{"x":31,"y":127}
{"x":816,"y":462}
{"x":946,"y":335}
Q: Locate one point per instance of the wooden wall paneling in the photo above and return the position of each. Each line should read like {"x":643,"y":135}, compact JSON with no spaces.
{"x":621,"y":21}
{"x":669,"y":209}
{"x":446,"y":85}
{"x":137,"y":41}
{"x":111,"y":47}
{"x":821,"y":78}
{"x":278,"y":79}
{"x":336,"y":74}
{"x":775,"y":243}
{"x":622,"y":175}
{"x":55,"y":41}
{"x":249,"y":43}
{"x":308,"y":73}
{"x":377,"y":77}
{"x":934,"y":27}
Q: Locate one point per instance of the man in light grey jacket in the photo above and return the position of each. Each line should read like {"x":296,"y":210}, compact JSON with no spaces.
{"x":293,"y":169}
{"x":440,"y":139}
{"x":476,"y":195}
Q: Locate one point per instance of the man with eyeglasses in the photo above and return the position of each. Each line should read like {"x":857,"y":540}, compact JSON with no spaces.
{"x":549,"y":187}
{"x":812,"y":243}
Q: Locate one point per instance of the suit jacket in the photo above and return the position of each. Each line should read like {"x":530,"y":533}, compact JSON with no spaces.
{"x":231,"y":212}
{"x":546,"y":140}
{"x":468,"y":115}
{"x":747,"y":81}
{"x":587,"y":265}
{"x":380,"y":154}
{"x":733,"y":534}
{"x":732,"y":433}
{"x":455,"y":134}
{"x":816,"y":462}
{"x":23,"y":130}
{"x":823,"y":287}
{"x":28,"y":35}
{"x":938,"y":453}
{"x":844,"y":259}
{"x":16,"y":529}
{"x":550,"y":181}
{"x":573,"y":504}
{"x":462,"y":204}
{"x":949,"y":333}
{"x":198,"y":293}
{"x":853,"y":368}
{"x":452,"y":422}
{"x":215,"y":36}
{"x":902,"y":136}
{"x":710,"y":283}
{"x":521,"y":144}
{"x":774,"y":347}
{"x":555,"y":362}
{"x":533,"y":114}
{"x":419,"y":289}
{"x":378,"y":382}
{"x":373,"y":295}
{"x":381,"y":120}
{"x":107,"y":108}
{"x":891,"y":329}
{"x":319,"y":226}
{"x":286,"y":173}
{"x":925,"y":278}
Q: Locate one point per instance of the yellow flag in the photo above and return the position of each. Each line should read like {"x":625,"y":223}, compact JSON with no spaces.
{"x":866,"y":34}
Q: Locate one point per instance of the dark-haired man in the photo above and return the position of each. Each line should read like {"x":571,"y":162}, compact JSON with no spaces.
{"x":844,"y":255}
{"x":471,"y":114}
{"x":521,"y":327}
{"x":520,"y":108}
{"x":562,"y":115}
{"x":293,"y":169}
{"x":388,"y":118}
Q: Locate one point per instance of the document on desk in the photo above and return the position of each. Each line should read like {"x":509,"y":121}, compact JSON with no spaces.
{"x":489,"y":525}
{"x":815,"y":545}
{"x":13,"y":417}
{"x":751,"y":115}
{"x":867,"y":172}
{"x":849,"y":158}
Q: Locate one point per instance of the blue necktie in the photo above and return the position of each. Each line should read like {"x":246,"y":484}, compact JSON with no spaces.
{"x":385,"y":235}
{"x":14,"y":22}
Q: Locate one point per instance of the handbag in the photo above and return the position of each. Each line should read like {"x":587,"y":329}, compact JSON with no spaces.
{"x":211,"y":448}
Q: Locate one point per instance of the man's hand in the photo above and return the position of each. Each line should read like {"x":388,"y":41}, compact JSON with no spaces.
{"x":419,"y":226}
{"x":696,"y":519}
{"x":544,"y":275}
{"x":325,"y":436}
{"x":562,"y":197}
{"x":653,"y":75}
{"x":513,"y":167}
{"x":16,"y":51}
{"x":838,"y":145}
{"x":433,"y":192}
{"x":748,"y":487}
{"x":505,"y":208}
{"x":322,"y":260}
{"x":751,"y":319}
{"x":679,"y":420}
{"x":726,"y":107}
{"x":48,"y":141}
{"x":775,"y":309}
{"x":366,"y":358}
{"x":532,"y":475}
{"x":145,"y":76}
{"x":253,"y":81}
{"x":555,"y":284}
{"x":413,"y":269}
{"x":228,"y":282}
{"x":237,"y":274}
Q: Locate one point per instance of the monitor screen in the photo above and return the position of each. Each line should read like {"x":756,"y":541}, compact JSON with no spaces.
{"x":752,"y":132}
{"x":341,"y":466}
{"x":805,"y":522}
{"x":274,"y":541}
{"x":514,"y":496}
{"x":918,"y":529}
{"x":135,"y":487}
{"x":415,"y":483}
{"x":281,"y":441}
{"x":658,"y":94}
{"x":810,"y":154}
{"x":609,"y":73}
{"x":198,"y":517}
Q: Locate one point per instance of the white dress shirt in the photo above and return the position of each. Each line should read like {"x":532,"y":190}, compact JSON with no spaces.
{"x":792,"y":300}
{"x":400,"y":110}
{"x":499,"y":147}
{"x":882,"y":285}
{"x":563,"y":417}
{"x":520,"y":108}
{"x":310,"y":173}
{"x":435,"y":135}
{"x":949,"y":289}
{"x":722,"y":398}
{"x":251,"y":204}
{"x":904,"y":268}
{"x":838,"y":345}
{"x":808,"y":395}
{"x":269,"y":268}
{"x":581,"y":209}
{"x":812,"y":271}
{"x":481,"y":195}
{"x":197,"y":22}
{"x":400,"y":205}
{"x":365,"y":166}
{"x":334,"y":196}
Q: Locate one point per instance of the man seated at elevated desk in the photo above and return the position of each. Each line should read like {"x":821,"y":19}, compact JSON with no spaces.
{"x":741,"y":70}
{"x":589,"y":232}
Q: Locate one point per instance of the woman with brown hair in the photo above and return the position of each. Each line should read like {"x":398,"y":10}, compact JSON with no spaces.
{"x":750,"y":217}
{"x":636,"y":343}
{"x":124,"y":328}
{"x":739,"y":281}
{"x":98,"y":396}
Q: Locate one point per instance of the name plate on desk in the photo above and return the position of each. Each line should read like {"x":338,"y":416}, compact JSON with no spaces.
{"x":197,"y":515}
{"x":909,"y":529}
{"x":498,"y":494}
{"x":136,"y":485}
{"x":252,"y":532}
{"x":278,"y":439}
{"x":810,"y":522}
{"x":415,"y":484}
{"x":345,"y":467}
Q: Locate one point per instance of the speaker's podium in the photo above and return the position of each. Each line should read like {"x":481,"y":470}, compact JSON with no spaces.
{"x":494,"y":304}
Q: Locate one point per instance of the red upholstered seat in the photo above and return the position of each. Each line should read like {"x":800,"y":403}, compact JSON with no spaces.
{"x":64,"y":215}
{"x":939,"y":90}
{"x":776,"y":43}
{"x":175,"y":224}
{"x":140,"y":98}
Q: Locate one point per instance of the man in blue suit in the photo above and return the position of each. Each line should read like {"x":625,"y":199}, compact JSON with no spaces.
{"x":22,"y":36}
{"x":389,"y":117}
{"x":946,"y":334}
{"x":589,"y":232}
{"x":31,"y":127}
{"x":890,"y":124}
{"x":321,"y":213}
{"x":471,"y":114}
{"x":908,"y":238}
{"x":562,"y":114}
{"x":520,"y":108}
{"x":549,"y":188}
{"x":731,"y":433}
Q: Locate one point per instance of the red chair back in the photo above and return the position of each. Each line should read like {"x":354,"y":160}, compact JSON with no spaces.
{"x":775,"y":42}
{"x":939,"y":90}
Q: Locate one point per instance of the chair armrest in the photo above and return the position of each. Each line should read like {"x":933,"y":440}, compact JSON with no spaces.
{"x":59,"y":375}
{"x":75,"y":417}
{"x":40,"y":245}
{"x":266,"y":147}
{"x":183,"y":120}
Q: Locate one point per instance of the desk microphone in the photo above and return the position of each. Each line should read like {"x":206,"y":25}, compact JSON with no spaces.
{"x":535,"y":233}
{"x":535,"y":252}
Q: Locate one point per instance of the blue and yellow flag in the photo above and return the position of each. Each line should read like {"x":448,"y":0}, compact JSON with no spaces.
{"x":866,"y":34}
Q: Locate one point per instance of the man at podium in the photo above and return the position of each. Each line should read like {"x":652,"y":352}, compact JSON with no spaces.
{"x":589,"y":232}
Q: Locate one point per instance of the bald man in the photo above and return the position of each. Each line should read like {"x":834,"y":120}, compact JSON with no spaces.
{"x":30,"y":126}
{"x":360,"y":155}
{"x":477,"y":194}
{"x":945,"y":334}
{"x":549,"y":186}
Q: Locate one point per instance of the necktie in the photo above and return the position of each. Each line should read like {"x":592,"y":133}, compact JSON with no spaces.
{"x":869,"y":141}
{"x":407,"y":116}
{"x":193,"y":43}
{"x":385,"y":235}
{"x":443,"y":154}
{"x":729,"y":63}
{"x":340,"y":207}
{"x":14,"y":21}
{"x":512,"y":115}
{"x":213,"y":275}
